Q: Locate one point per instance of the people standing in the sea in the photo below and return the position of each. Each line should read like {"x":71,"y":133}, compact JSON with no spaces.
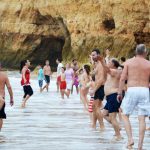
{"x":4,"y":81}
{"x":25,"y":81}
{"x":137,"y":71}
{"x":63,"y":83}
{"x":47,"y":74}
{"x":100,"y":78}
{"x":85,"y":79}
{"x":59,"y":67}
{"x":40,"y":76}
{"x":69,"y":73}
{"x":111,"y":88}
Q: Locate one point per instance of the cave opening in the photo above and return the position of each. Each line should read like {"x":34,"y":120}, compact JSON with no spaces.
{"x":109,"y":24}
{"x":50,"y":48}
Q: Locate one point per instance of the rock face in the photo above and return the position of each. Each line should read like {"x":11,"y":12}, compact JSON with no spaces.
{"x":47,"y":29}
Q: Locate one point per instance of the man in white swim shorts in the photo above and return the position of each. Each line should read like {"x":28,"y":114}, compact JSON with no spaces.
{"x":137,"y":72}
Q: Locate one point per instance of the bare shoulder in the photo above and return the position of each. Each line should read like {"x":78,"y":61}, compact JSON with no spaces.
{"x":129,"y":61}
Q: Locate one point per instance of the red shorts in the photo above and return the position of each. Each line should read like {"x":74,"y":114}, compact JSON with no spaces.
{"x":58,"y":78}
{"x":63,"y":85}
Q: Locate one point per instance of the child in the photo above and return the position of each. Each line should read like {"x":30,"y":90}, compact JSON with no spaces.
{"x":92,"y":86}
{"x":40,"y":76}
{"x":63,"y":84}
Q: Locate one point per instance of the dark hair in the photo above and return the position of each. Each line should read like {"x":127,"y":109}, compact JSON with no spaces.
{"x":87,"y":69}
{"x":74,"y":60}
{"x":80,"y":70}
{"x":22,"y":64}
{"x":123,"y":59}
{"x":96,"y":50}
{"x":63,"y":68}
{"x":93,"y":77}
{"x":60,"y":60}
{"x":116,"y":63}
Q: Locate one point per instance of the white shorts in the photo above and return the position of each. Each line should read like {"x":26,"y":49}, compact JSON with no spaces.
{"x":136,"y":97}
{"x":69,"y":85}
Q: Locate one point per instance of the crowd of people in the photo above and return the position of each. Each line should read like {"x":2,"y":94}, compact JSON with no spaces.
{"x":124,"y":85}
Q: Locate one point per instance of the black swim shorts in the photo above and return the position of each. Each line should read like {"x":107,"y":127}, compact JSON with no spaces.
{"x":99,"y":94}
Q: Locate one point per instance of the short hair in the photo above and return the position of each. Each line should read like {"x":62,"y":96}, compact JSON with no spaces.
{"x":115,"y":62}
{"x":140,"y":49}
{"x":96,"y":50}
{"x":123,"y":59}
{"x":63,"y":68}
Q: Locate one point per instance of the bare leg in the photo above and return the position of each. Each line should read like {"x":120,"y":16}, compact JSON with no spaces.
{"x":77,"y":89}
{"x":94,"y":116}
{"x":128,"y":129}
{"x":41,"y":90}
{"x":47,"y":86}
{"x":106,"y":115}
{"x":1,"y":124}
{"x":72,"y":89}
{"x":99,"y":114}
{"x":57,"y":86}
{"x":83,"y":98}
{"x":62,"y":93}
{"x":44,"y":87}
{"x":24,"y":101}
{"x":115,"y":125}
{"x":142,"y":127}
{"x":68,"y":92}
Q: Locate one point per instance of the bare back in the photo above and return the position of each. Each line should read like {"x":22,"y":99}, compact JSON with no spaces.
{"x":137,"y":71}
{"x":47,"y":70}
{"x":3,"y":82}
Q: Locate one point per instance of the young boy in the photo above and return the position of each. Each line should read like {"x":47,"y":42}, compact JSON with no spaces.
{"x":40,"y":76}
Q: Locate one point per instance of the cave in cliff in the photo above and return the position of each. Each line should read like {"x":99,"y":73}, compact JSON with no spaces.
{"x":50,"y":48}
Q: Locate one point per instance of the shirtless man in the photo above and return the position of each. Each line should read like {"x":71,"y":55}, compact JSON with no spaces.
{"x":100,"y":76}
{"x":111,"y":88}
{"x":47,"y":74}
{"x":137,"y":71}
{"x":4,"y":81}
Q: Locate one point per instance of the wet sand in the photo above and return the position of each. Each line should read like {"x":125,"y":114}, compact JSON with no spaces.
{"x":49,"y":123}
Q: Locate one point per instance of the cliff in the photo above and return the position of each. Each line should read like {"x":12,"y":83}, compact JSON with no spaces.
{"x":46,"y":29}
